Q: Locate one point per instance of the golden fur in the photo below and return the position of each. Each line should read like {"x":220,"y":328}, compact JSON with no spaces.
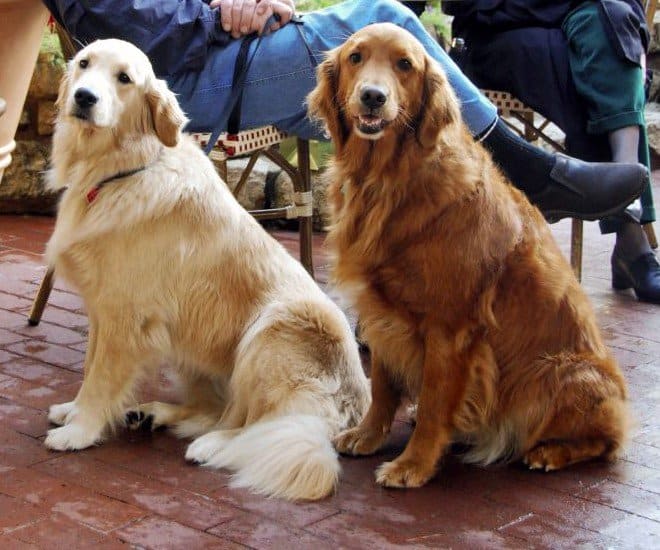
{"x":464,"y":298}
{"x":172,"y":270}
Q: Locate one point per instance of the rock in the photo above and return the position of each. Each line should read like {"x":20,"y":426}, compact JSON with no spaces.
{"x":46,"y":112}
{"x":47,"y":75}
{"x":321,"y":210}
{"x":23,"y":189}
{"x":253,"y":195}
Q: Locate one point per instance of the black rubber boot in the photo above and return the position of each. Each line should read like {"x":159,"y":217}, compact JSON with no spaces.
{"x":562,"y":186}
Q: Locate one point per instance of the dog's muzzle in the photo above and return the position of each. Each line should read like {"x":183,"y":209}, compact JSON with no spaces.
{"x":84,"y":99}
{"x":372,"y":99}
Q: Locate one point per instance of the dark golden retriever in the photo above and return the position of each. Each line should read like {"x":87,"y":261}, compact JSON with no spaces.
{"x":464,"y":298}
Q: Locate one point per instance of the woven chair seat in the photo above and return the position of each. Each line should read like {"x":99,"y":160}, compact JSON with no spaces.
{"x":243,"y":143}
{"x":505,"y":102}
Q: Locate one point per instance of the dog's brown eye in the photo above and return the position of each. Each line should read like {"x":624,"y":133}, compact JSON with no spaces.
{"x":355,"y":58}
{"x":404,"y":64}
{"x":83,"y":63}
{"x":124,"y":78}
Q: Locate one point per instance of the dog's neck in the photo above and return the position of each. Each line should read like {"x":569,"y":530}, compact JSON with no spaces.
{"x":77,"y":154}
{"x":381,"y":159}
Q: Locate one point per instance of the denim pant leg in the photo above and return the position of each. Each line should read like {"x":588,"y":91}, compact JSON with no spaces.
{"x":283,"y":71}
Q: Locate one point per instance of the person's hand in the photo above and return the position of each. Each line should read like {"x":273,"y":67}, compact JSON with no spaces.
{"x":243,"y":17}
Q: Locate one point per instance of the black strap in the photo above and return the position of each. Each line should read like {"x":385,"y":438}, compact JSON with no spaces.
{"x":239,"y":77}
{"x":234,"y":122}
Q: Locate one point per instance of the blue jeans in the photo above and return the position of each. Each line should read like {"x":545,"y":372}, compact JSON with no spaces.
{"x":283,"y":71}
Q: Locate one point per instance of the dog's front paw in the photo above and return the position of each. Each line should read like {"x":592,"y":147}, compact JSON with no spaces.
{"x":359,"y":441}
{"x":62,"y":413}
{"x":206,"y":447}
{"x":403,"y":473}
{"x":72,"y":437}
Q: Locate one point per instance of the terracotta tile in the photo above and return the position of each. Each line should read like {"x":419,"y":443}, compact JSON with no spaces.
{"x":49,"y":353}
{"x":560,"y":507}
{"x":13,"y":303}
{"x":291,"y":514}
{"x":54,"y":334}
{"x":158,"y":533}
{"x":22,"y":419}
{"x":547,"y":532}
{"x":58,"y":531}
{"x":12,"y":320}
{"x":17,"y":449}
{"x":646,"y":455}
{"x":36,"y":395}
{"x":71,"y":501}
{"x":143,"y":491}
{"x":7,"y":337}
{"x":6,"y":356}
{"x":65,"y":318}
{"x":37,"y":372}
{"x":15,"y":513}
{"x":624,"y":497}
{"x":66,"y":300}
{"x":258,"y":532}
{"x":7,"y":541}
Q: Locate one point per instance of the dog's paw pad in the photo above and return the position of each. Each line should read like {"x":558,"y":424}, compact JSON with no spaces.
{"x":137,"y":420}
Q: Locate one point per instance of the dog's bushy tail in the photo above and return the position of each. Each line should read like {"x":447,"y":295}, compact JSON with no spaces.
{"x":289,"y":457}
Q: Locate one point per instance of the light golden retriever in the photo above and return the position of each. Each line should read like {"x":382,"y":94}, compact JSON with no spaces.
{"x":463,"y":296}
{"x":172,"y":270}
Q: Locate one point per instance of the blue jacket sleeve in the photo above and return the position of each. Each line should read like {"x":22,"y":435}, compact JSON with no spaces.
{"x":174,"y":34}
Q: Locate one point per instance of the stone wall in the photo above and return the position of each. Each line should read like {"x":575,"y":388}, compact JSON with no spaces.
{"x":23,"y":190}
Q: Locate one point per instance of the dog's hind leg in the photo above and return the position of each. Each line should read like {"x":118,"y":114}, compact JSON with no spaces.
{"x":200,"y":412}
{"x":590,"y":416}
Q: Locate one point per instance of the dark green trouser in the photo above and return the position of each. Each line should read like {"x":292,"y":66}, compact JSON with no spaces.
{"x":611,"y":87}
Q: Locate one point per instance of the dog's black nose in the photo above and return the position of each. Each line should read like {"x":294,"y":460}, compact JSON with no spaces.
{"x":373,"y":97}
{"x":85,"y":98}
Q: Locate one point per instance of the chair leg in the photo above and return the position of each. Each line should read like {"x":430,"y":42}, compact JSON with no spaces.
{"x":42,"y":297}
{"x":650,"y":235}
{"x":576,"y":247}
{"x":305,"y":222}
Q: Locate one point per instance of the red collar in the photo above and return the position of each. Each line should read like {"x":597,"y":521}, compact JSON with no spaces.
{"x":94,"y":191}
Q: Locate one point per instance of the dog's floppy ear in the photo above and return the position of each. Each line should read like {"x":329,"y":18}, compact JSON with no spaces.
{"x":323,"y":102}
{"x":168,"y":118}
{"x":439,"y":107}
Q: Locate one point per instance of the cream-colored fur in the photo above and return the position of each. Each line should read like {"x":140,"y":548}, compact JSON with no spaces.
{"x":172,"y":270}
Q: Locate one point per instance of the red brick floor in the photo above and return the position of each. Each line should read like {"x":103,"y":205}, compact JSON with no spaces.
{"x":137,"y":489}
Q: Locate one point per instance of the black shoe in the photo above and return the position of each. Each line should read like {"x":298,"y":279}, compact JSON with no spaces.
{"x":642,"y":275}
{"x":589,"y":190}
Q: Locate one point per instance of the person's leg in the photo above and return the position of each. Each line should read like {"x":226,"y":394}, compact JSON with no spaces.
{"x":283,"y":73}
{"x":615,"y":108}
